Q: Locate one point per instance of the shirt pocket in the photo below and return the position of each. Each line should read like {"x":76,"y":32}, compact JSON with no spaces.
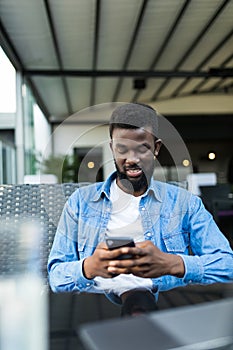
{"x":174,"y":233}
{"x":85,"y":248}
{"x":88,"y":234}
{"x":176,"y":242}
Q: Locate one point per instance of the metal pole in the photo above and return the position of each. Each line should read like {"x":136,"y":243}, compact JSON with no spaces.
{"x":19,"y":130}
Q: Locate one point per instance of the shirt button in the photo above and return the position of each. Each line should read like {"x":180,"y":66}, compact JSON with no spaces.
{"x":143,"y":208}
{"x":88,"y":284}
{"x":149,"y":234}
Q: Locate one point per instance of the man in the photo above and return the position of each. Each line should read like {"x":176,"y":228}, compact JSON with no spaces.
{"x":165,"y":221}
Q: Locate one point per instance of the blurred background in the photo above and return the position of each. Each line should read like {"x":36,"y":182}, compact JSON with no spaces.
{"x":65,"y":65}
{"x":59,"y":58}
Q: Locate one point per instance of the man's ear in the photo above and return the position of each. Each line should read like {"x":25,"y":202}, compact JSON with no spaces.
{"x":158,"y":144}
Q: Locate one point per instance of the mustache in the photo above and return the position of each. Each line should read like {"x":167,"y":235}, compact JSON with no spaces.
{"x":134,"y":167}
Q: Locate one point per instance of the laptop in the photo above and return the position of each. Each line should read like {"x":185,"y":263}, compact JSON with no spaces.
{"x":131,"y":333}
{"x":206,"y":326}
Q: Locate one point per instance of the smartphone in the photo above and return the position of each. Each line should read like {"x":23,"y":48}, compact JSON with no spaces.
{"x":118,"y":242}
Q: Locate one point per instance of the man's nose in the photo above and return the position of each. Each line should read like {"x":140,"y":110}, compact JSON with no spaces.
{"x":132,"y":157}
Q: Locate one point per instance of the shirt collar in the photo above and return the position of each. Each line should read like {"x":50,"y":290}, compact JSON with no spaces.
{"x":155,"y":190}
{"x":105,"y":188}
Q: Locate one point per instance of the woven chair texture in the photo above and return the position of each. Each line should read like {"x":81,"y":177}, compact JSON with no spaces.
{"x":39,"y":203}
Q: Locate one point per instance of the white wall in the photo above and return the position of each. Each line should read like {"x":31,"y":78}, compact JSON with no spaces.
{"x":68,"y":136}
{"x":197,"y":104}
{"x":42,"y":132}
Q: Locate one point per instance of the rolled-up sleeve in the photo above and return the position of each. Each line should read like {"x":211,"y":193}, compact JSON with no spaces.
{"x":211,"y":257}
{"x":65,"y":275}
{"x":64,"y":266}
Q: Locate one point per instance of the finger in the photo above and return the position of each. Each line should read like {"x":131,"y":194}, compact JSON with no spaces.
{"x":103,"y":272}
{"x":107,"y":274}
{"x":102,"y":245}
{"x":114,"y":254}
{"x":125,"y":263}
{"x":132,"y":251}
{"x":144,"y":244}
{"x":143,"y":268}
{"x":117,"y":271}
{"x":140,"y":271}
{"x":145,"y":272}
{"x":104,"y":253}
{"x":148,"y":274}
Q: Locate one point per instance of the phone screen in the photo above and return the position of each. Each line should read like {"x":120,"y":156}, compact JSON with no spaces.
{"x":118,"y":242}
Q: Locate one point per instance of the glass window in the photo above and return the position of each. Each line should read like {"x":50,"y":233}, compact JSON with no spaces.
{"x":7,"y":163}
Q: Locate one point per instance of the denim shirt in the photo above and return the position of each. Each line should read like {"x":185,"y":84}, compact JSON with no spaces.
{"x":172,"y":218}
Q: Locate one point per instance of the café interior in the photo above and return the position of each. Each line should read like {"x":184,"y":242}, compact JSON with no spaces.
{"x":71,"y":63}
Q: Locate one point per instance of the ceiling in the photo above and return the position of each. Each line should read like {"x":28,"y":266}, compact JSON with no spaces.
{"x":79,"y":53}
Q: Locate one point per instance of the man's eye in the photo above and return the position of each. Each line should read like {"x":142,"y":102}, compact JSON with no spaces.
{"x":142,"y":149}
{"x":121,"y":149}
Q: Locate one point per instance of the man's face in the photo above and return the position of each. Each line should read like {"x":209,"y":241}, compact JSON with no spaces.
{"x":133,"y":151}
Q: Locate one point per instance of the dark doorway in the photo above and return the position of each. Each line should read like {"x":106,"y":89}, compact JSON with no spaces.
{"x":90,"y":162}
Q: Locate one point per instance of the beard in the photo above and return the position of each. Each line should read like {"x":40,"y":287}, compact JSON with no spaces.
{"x":133,"y":185}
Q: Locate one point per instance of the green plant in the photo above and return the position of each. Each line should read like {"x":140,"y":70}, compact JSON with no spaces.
{"x":64,"y":167}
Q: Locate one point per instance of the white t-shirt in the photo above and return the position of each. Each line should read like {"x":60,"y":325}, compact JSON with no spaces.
{"x":125,"y":221}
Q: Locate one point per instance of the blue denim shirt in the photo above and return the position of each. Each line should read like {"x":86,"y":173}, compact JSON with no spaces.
{"x":172,"y":218}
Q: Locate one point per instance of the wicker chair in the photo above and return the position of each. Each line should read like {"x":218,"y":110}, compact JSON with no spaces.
{"x":44,"y":203}
{"x":41,"y":203}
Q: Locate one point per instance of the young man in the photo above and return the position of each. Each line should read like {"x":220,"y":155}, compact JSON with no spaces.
{"x":165,"y":221}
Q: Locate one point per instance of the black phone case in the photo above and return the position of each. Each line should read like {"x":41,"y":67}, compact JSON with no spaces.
{"x":114,"y":243}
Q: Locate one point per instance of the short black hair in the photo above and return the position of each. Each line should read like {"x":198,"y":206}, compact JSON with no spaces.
{"x":133,"y":116}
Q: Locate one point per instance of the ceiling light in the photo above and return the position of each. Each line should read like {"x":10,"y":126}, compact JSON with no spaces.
{"x":186,"y":162}
{"x":211,"y":155}
{"x":90,"y":165}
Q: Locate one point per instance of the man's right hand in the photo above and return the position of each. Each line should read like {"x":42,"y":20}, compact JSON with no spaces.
{"x":98,"y":263}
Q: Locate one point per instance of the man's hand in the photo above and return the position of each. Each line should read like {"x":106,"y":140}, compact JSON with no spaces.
{"x":148,"y":261}
{"x":98,"y":263}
